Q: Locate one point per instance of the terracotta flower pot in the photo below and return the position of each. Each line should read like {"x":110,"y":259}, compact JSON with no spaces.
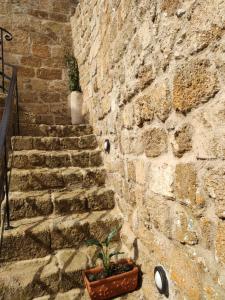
{"x":113,"y":286}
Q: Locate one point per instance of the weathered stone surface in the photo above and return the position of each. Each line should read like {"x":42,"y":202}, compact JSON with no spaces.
{"x":154,"y":101}
{"x":71,"y":264}
{"x":170,"y":6}
{"x":28,"y":279}
{"x":185,"y":184}
{"x":206,"y":232}
{"x":215,"y":186}
{"x":44,"y":179}
{"x":183,"y":228}
{"x":30,"y":205}
{"x":144,"y":110}
{"x":53,"y":159}
{"x":54,"y":143}
{"x":50,"y":74}
{"x":220,"y":243}
{"x":161,"y":179}
{"x":183,"y":140}
{"x":193,"y":84}
{"x":157,"y":214}
{"x":155,"y":142}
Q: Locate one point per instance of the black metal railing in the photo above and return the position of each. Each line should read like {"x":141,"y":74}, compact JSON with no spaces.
{"x":9,"y":126}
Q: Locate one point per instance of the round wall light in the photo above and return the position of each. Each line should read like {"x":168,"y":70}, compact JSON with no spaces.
{"x":107,"y":145}
{"x":161,"y":281}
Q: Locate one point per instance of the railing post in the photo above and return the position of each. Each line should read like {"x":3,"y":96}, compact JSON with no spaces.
{"x":17,"y":109}
{"x":2,"y":62}
{"x":6,"y":189}
{"x":4,"y":34}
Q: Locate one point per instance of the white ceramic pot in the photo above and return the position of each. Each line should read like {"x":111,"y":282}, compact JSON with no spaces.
{"x":75,"y":101}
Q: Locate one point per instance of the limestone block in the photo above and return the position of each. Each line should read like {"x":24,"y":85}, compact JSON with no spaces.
{"x":29,"y":279}
{"x":141,"y":171}
{"x":185,"y":184}
{"x":41,"y":51}
{"x":94,"y":177}
{"x":26,"y":72}
{"x":69,"y":202}
{"x":145,"y":76}
{"x":184,"y":228}
{"x":101,"y":200}
{"x":170,"y":6}
{"x":49,"y":74}
{"x":220,"y":243}
{"x":182,"y":140}
{"x":193,"y":84}
{"x":71,"y":264}
{"x":154,"y":141}
{"x":131,"y":173}
{"x":206,"y":226}
{"x":157,"y":213}
{"x":161,"y":177}
{"x":29,"y":205}
{"x":215,"y":186}
{"x":209,"y":135}
{"x":128,"y":116}
{"x":144,"y":110}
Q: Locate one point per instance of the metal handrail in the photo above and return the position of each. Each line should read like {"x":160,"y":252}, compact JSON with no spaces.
{"x":7,"y":129}
{"x":4,"y":34}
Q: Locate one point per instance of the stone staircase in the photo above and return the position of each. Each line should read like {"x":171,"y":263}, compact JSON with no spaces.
{"x":58,"y":200}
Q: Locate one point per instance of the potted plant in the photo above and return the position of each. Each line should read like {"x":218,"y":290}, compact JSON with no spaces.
{"x":75,"y":99}
{"x":112,"y":279}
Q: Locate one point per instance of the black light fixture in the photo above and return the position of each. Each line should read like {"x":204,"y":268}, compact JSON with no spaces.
{"x":107,"y":145}
{"x":161,"y":281}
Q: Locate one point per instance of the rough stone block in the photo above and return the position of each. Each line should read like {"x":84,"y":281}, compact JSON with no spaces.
{"x":193,"y":84}
{"x":49,"y":74}
{"x":30,"y":205}
{"x":220,"y":243}
{"x":41,"y":51}
{"x":184,"y":228}
{"x":161,"y":178}
{"x":71,"y":264}
{"x":183,"y":140}
{"x":215,"y":186}
{"x":185,"y":184}
{"x":155,"y":141}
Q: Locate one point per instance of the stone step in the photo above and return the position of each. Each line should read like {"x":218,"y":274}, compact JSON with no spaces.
{"x":58,"y":275}
{"x":42,"y":203}
{"x":54,"y":143}
{"x":56,"y":130}
{"x":45,"y":179}
{"x":29,"y":159}
{"x":39,"y":237}
{"x":74,"y":294}
{"x":82,"y":294}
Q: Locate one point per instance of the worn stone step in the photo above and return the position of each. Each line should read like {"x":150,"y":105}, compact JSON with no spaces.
{"x":28,"y":159}
{"x":39,"y":237}
{"x":53,"y":275}
{"x":54,"y":143}
{"x":74,"y":294}
{"x":44,"y":179}
{"x":56,"y":130}
{"x":42,"y":203}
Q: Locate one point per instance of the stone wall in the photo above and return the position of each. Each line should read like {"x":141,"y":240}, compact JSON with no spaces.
{"x":41,"y":33}
{"x":153,"y":74}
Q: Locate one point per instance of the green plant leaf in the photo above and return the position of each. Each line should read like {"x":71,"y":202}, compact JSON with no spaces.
{"x":115,"y":253}
{"x":111,"y":235}
{"x":100,"y":256}
{"x":94,"y":242}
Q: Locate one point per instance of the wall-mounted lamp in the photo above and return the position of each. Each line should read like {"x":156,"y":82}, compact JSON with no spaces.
{"x":107,"y":145}
{"x":161,"y":281}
